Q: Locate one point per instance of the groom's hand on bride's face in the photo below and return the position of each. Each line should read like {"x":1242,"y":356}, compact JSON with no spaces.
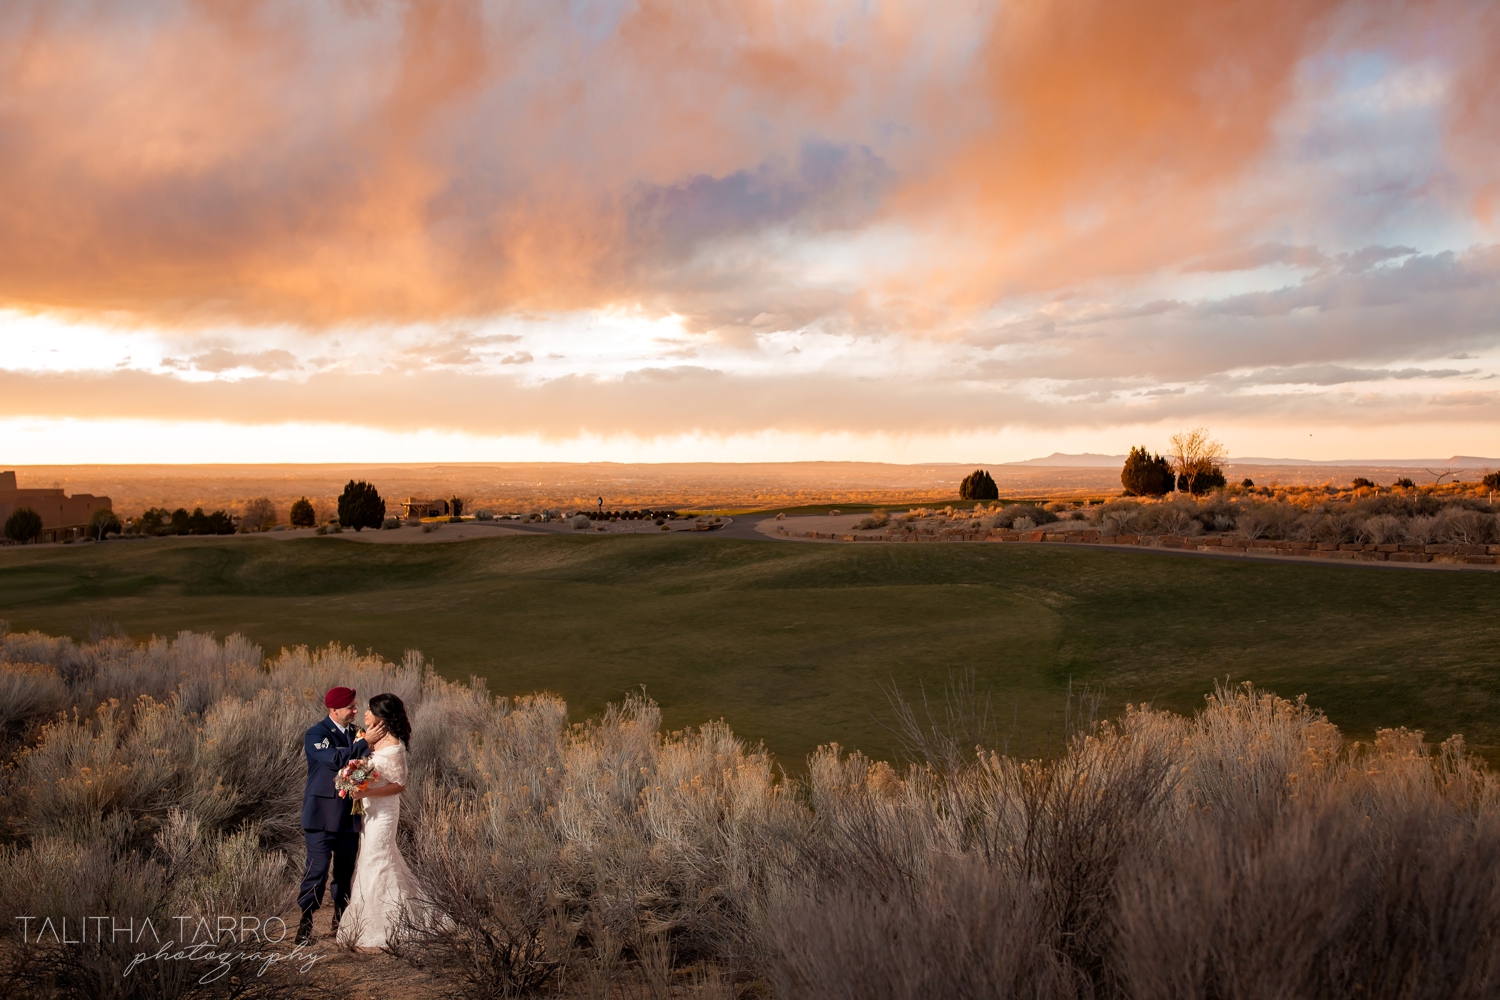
{"x":375,"y":733}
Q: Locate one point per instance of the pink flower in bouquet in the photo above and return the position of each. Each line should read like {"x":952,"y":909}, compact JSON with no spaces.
{"x":356,"y":776}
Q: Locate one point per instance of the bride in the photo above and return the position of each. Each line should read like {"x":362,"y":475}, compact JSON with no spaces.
{"x":383,"y":884}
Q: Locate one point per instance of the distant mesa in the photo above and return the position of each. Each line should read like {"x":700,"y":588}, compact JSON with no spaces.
{"x":1087,"y":460}
{"x":63,"y":516}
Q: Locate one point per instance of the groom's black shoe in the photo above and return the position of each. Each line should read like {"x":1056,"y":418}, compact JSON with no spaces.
{"x":304,"y":928}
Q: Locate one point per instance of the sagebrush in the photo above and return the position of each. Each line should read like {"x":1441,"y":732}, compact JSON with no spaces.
{"x":1246,"y":852}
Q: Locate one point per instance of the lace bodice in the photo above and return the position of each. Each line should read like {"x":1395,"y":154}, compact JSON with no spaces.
{"x":390,"y":764}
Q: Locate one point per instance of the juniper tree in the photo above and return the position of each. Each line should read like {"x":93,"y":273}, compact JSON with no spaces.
{"x":1145,"y":474}
{"x":360,"y":506}
{"x":978,"y":485}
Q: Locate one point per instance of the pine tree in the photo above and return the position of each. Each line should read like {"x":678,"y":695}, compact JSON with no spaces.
{"x":302,"y":514}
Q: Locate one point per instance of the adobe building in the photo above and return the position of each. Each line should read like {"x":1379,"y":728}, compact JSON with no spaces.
{"x":417,"y":507}
{"x":63,"y":516}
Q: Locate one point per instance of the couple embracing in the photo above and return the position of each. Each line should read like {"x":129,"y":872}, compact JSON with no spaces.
{"x":371,"y":885}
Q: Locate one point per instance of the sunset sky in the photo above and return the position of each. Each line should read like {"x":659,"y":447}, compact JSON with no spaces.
{"x":363,"y":230}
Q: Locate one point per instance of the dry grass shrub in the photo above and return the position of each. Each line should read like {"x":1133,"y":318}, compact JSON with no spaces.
{"x":1382,"y":529}
{"x":1426,"y":516}
{"x":1117,"y":517}
{"x":875,"y":519}
{"x":1468,"y":527}
{"x":1247,"y":851}
{"x":1007,"y":517}
{"x":1172,"y":517}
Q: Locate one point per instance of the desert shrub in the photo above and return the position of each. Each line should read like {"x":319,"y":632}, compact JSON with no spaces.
{"x":965,"y":933}
{"x":29,"y":693}
{"x":1245,"y":851}
{"x":1163,"y":857}
{"x":391,"y":523}
{"x":1304,"y":527}
{"x":875,"y":519}
{"x":1254,"y":523}
{"x":1008,"y":516}
{"x":1426,"y":529}
{"x":1404,"y":483}
{"x":1381,"y":529}
{"x":1361,"y":483}
{"x":1116,"y":517}
{"x":1467,"y":527}
{"x":1180,"y":518}
{"x":1338,"y":527}
{"x":1491,"y":481}
{"x":1393,"y":504}
{"x":484,"y":514}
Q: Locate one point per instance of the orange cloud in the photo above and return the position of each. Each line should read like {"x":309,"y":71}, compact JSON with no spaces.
{"x":286,"y":162}
{"x":1115,"y":128}
{"x":1475,"y":131}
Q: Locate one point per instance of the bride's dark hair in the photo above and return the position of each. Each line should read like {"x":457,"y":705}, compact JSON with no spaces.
{"x":390,"y":710}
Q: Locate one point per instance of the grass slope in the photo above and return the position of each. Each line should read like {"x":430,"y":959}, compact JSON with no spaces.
{"x":788,"y":643}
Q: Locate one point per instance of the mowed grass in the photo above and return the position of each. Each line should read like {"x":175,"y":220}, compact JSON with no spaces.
{"x":790,"y":643}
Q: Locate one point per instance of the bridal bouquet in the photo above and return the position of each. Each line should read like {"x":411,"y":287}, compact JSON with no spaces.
{"x":356,"y":777}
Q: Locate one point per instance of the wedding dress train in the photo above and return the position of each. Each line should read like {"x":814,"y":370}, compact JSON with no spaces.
{"x":383,"y":884}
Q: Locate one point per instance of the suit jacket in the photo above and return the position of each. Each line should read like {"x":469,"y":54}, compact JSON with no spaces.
{"x":328,"y":750}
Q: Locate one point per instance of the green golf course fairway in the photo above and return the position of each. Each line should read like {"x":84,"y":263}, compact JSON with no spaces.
{"x":789,"y":643}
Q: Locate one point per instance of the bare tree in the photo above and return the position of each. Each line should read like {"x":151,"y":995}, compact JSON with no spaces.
{"x":1194,"y":453}
{"x":1440,"y":474}
{"x":260,"y":515}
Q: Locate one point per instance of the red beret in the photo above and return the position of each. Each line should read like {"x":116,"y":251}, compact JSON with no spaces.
{"x":339,"y":698}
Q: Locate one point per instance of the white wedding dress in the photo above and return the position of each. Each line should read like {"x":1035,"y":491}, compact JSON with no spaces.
{"x":383,"y":884}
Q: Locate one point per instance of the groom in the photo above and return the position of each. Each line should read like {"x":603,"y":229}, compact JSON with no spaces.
{"x":332,"y":833}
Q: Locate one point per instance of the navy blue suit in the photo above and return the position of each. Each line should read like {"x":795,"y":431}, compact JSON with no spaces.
{"x":332,"y":833}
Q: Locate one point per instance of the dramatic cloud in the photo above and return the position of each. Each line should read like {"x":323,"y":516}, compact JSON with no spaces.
{"x":844,"y":217}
